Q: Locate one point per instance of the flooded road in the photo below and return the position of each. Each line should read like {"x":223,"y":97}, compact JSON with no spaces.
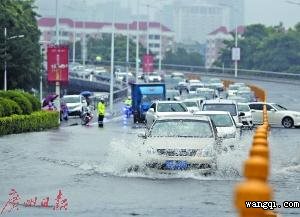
{"x":89,"y":165}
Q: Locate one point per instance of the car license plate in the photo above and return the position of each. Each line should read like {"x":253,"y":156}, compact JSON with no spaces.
{"x":176,"y":165}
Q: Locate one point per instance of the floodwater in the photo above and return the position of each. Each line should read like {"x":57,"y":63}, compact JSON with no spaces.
{"x":89,"y":165}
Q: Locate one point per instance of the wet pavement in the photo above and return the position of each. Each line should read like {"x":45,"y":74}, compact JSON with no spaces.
{"x":89,"y":165}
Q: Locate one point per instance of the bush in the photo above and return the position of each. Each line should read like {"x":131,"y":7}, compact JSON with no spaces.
{"x":21,"y":100}
{"x":36,"y":105}
{"x":37,"y":121}
{"x":9,"y":107}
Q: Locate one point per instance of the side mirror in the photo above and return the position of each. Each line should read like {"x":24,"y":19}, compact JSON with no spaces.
{"x":142,"y":135}
{"x":239,"y":125}
{"x":241,"y":114}
{"x":272,"y":110}
{"x":151,"y":110}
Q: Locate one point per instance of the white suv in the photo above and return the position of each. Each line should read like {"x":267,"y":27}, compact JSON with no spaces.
{"x":223,"y":105}
{"x":75,"y":103}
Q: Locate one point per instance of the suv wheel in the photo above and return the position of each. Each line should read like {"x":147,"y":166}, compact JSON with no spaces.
{"x":287,"y":122}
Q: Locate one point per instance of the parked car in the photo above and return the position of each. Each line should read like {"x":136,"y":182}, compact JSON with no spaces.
{"x":153,"y":77}
{"x":165,"y":108}
{"x":172,"y":94}
{"x":277,"y":114}
{"x":216,"y":83}
{"x":181,"y":143}
{"x":226,"y":126}
{"x":75,"y":103}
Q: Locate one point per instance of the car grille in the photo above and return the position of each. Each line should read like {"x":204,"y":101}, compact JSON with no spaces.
{"x":177,"y":152}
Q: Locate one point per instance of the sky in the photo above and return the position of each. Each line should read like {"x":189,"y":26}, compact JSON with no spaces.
{"x":271,"y":12}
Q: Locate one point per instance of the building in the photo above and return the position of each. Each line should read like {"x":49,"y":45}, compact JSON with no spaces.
{"x":78,"y":30}
{"x":214,"y":43}
{"x":193,"y":20}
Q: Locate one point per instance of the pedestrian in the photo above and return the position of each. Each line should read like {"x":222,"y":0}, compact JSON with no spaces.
{"x":101,"y":112}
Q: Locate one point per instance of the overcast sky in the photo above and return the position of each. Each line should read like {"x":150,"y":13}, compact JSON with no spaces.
{"x":271,"y":12}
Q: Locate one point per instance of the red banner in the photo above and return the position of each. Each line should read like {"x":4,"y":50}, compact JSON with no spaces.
{"x":147,"y":63}
{"x":57,"y":63}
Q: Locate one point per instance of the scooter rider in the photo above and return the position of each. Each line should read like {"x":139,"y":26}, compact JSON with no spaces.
{"x":101,"y":112}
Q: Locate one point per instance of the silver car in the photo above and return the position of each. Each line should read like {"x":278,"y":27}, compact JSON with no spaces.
{"x":181,"y":143}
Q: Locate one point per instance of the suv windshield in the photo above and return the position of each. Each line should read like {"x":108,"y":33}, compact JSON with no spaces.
{"x":243,"y":108}
{"x":221,"y":120}
{"x":191,"y":104}
{"x":72,"y":99}
{"x":231,"y":108}
{"x":182,"y":128}
{"x":170,"y":107}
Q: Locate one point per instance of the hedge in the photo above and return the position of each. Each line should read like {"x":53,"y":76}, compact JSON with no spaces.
{"x":9,"y":107}
{"x":20,"y":99}
{"x":36,"y":105}
{"x":37,"y":121}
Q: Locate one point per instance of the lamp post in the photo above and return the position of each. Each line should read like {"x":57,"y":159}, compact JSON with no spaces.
{"x":111,"y":91}
{"x":5,"y":54}
{"x":137,"y":43}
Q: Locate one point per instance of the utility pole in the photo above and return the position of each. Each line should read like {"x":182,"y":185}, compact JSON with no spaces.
{"x":137,"y":43}
{"x":127,"y":54}
{"x":74,"y":39}
{"x":57,"y":83}
{"x":5,"y":64}
{"x":236,"y":59}
{"x":111,"y":92}
{"x":160,"y":43}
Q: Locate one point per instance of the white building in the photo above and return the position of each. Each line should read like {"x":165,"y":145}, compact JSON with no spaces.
{"x":68,"y":28}
{"x":214,"y":43}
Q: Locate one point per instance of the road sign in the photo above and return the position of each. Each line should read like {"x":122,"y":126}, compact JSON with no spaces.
{"x":57,"y":63}
{"x":147,"y":63}
{"x":236,"y":53}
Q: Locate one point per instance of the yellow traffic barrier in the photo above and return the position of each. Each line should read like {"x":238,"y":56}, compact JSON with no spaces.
{"x":251,"y":190}
{"x":260,"y":135}
{"x":260,"y":141}
{"x":260,"y":150}
{"x":256,"y":167}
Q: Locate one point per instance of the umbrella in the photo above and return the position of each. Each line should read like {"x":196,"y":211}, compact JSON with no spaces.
{"x":86,"y":93}
{"x":49,"y":98}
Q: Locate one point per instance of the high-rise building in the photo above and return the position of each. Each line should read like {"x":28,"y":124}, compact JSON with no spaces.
{"x":193,"y":20}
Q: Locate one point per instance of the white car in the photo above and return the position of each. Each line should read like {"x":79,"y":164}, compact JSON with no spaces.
{"x":192,"y":87}
{"x":224,"y":123}
{"x":153,"y":77}
{"x":232,"y":89}
{"x":181,"y":143}
{"x":206,"y":93}
{"x":172,"y":94}
{"x":216,"y":83}
{"x":223,"y":105}
{"x":165,"y":108}
{"x":76,"y":104}
{"x":277,"y":114}
{"x":192,"y":105}
{"x":246,"y":120}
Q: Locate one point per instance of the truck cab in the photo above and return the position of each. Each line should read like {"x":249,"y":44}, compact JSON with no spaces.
{"x":142,"y":96}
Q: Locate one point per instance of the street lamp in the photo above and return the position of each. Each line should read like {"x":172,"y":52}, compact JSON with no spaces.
{"x":5,"y":53}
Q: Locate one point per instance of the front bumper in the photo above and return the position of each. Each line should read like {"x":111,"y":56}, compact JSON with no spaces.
{"x":203,"y":164}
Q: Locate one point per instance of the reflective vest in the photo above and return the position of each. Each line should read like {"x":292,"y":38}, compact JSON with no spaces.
{"x":101,"y":108}
{"x":128,"y":102}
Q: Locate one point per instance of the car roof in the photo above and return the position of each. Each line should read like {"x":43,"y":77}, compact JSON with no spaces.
{"x":66,"y":96}
{"x":186,"y":117}
{"x":219,"y":101}
{"x":211,"y":112}
{"x":167,"y":101}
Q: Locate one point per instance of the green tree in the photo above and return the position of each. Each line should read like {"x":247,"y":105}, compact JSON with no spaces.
{"x":182,"y":57}
{"x":23,"y":54}
{"x":266,"y":48}
{"x":102,"y":47}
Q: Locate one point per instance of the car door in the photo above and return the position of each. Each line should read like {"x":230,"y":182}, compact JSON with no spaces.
{"x":275,"y":117}
{"x":257,"y":112}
